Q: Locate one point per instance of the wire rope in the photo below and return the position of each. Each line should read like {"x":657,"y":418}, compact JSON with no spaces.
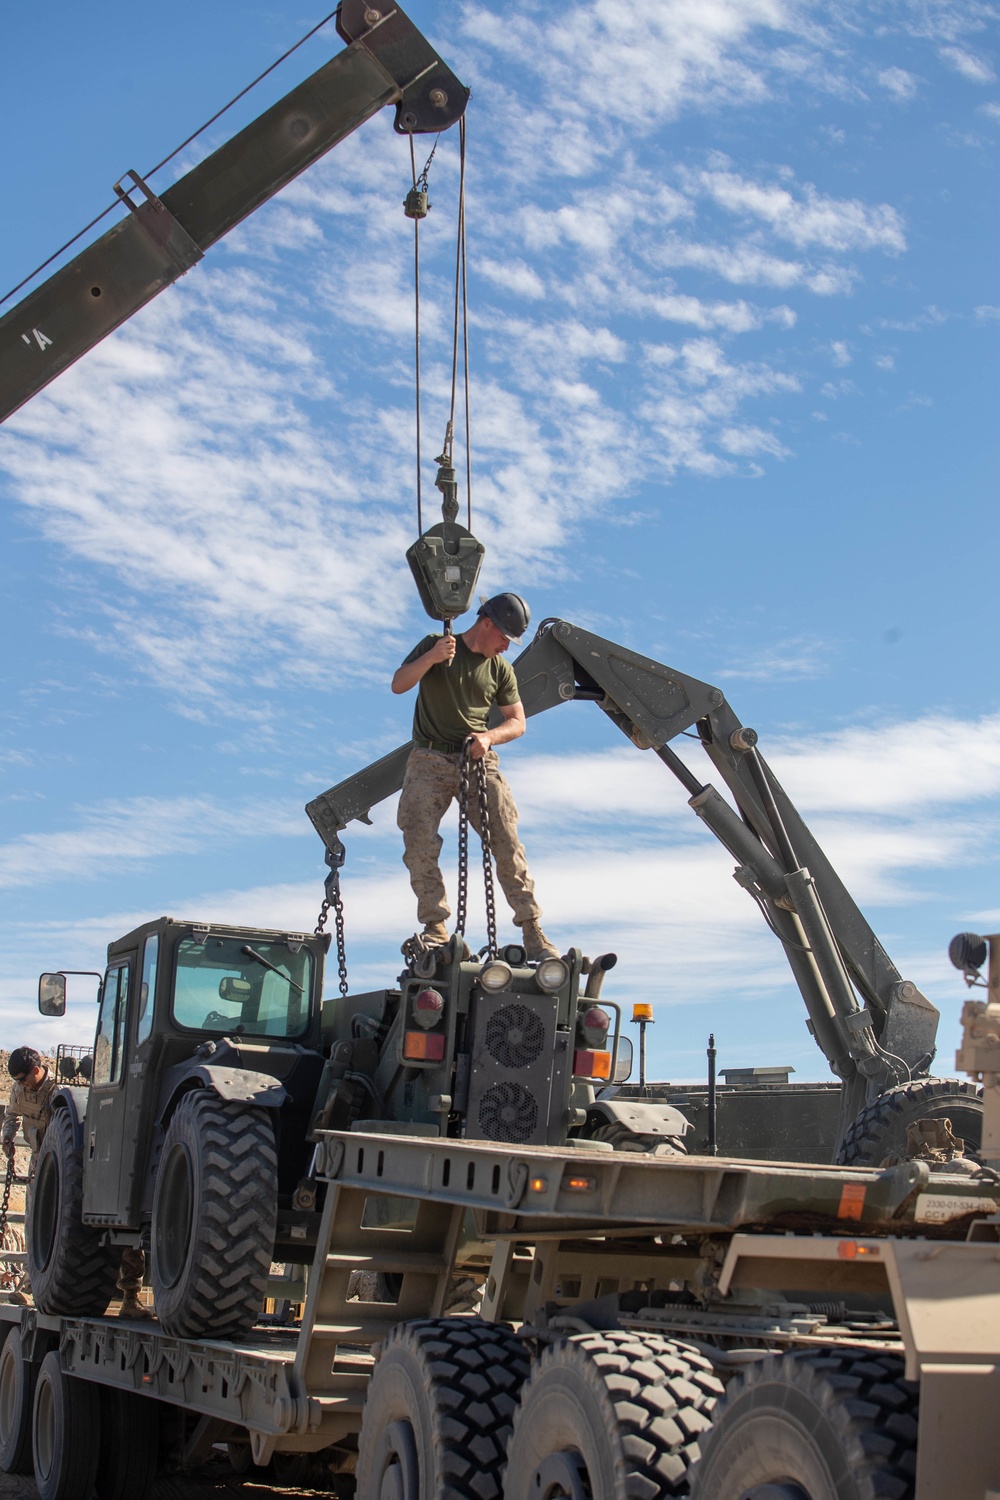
{"x":177,"y":150}
{"x":416,"y":301}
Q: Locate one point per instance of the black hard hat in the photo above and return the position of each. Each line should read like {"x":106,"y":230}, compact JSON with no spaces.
{"x":22,"y":1060}
{"x":509,"y":613}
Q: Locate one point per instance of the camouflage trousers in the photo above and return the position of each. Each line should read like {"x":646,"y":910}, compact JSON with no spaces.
{"x":430,"y":785}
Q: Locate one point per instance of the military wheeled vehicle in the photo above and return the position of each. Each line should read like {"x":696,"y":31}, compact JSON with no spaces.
{"x":216,"y":1062}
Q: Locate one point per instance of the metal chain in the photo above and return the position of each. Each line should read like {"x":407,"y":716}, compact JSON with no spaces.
{"x":484,"y":823}
{"x":463,"y":844}
{"x":332,"y":898}
{"x":463,"y":849}
{"x":5,"y":1205}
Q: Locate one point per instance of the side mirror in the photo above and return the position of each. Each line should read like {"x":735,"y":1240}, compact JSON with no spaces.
{"x":623,"y":1067}
{"x":52,"y":994}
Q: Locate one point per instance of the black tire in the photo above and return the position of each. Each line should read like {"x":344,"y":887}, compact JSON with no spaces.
{"x":438,"y":1411}
{"x":240,"y":1457}
{"x":611,"y":1416}
{"x":130,"y":1445}
{"x":65,"y":1433}
{"x":214,"y":1213}
{"x":17,"y":1397}
{"x":879,"y":1132}
{"x":824,"y":1426}
{"x":72,"y":1274}
{"x":623,"y":1139}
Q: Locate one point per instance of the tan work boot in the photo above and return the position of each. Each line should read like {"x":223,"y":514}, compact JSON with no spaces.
{"x":131,"y":1306}
{"x":435,"y":934}
{"x":536,"y":944}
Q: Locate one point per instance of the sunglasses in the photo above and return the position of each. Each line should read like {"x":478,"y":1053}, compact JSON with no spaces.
{"x":20,"y":1077}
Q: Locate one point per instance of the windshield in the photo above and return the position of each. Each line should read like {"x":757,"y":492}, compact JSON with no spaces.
{"x":242,"y":986}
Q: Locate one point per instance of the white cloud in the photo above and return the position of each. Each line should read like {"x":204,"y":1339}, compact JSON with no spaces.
{"x":899,"y":83}
{"x":841,"y":352}
{"x":812,"y":218}
{"x":884,"y":362}
{"x":988,"y":314}
{"x":974,"y":69}
{"x":514,"y":276}
{"x":991,"y":110}
{"x":117,"y":835}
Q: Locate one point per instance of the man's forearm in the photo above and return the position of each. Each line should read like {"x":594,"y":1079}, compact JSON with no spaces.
{"x":507,"y":730}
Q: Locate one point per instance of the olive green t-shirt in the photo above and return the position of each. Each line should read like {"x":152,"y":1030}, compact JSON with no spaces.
{"x":454,"y":701}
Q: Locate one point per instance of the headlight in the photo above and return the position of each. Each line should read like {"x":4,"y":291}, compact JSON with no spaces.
{"x":551,"y":974}
{"x":496,"y":976}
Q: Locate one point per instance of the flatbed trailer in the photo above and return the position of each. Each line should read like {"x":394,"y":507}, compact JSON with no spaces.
{"x":599,"y":1267}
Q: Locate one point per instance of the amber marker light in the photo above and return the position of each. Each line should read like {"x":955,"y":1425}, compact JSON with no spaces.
{"x":587,"y":1064}
{"x":538,"y":1184}
{"x":423,"y":1046}
{"x":580,"y":1184}
{"x":642,"y":1012}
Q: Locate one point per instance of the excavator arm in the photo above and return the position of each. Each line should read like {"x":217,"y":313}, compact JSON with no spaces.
{"x":875,"y":1028}
{"x":386,"y":61}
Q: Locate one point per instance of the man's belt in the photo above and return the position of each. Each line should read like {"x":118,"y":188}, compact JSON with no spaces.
{"x":443,"y":747}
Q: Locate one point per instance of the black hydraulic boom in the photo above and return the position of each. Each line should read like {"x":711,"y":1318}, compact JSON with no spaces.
{"x":386,"y":61}
{"x":875,"y":1028}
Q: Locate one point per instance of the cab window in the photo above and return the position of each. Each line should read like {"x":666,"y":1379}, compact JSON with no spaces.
{"x":109,"y":1044}
{"x":236,"y":987}
{"x":147,"y":988}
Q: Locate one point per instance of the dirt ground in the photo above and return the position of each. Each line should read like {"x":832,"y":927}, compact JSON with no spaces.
{"x":224,"y":1487}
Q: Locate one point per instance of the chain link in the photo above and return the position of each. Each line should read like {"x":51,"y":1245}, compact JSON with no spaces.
{"x":463,"y":848}
{"x":5,"y":1205}
{"x":332,"y":899}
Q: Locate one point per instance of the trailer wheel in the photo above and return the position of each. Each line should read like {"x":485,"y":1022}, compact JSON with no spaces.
{"x":214,"y":1216}
{"x":130,"y":1445}
{"x":17,"y":1395}
{"x":72,"y":1274}
{"x":609,"y":1416}
{"x":623,"y":1139}
{"x":816,"y":1426}
{"x":879,"y":1132}
{"x":438,"y":1412}
{"x":66,"y":1436}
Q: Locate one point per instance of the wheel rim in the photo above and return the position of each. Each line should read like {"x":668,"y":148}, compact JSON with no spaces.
{"x":8,"y":1393}
{"x":400,"y":1478}
{"x":45,"y":1210}
{"x":44,"y":1428}
{"x":561,"y":1476}
{"x":175,"y":1205}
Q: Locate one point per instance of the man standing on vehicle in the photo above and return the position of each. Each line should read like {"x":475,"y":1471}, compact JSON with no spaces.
{"x":460,"y":678}
{"x":30,"y":1105}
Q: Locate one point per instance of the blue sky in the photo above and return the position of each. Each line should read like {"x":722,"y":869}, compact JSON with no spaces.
{"x":735,"y":319}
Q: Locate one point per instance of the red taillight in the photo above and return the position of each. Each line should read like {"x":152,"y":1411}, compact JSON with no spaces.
{"x":587,"y":1064}
{"x":423,"y":1046}
{"x":427,"y":1008}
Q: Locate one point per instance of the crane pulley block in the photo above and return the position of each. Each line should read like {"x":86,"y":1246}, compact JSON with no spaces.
{"x":445,"y":564}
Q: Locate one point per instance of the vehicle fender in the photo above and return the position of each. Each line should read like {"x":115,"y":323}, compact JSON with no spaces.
{"x":74,"y":1102}
{"x":260,"y":1089}
{"x":643,"y":1116}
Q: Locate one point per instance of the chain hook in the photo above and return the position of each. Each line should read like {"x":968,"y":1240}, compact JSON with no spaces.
{"x":336,"y":854}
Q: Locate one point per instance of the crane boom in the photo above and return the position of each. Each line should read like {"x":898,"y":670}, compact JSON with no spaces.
{"x":832,"y":951}
{"x":387,"y":61}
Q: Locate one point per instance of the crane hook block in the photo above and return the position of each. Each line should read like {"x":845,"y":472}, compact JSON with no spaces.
{"x":416,"y":205}
{"x":445,"y":564}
